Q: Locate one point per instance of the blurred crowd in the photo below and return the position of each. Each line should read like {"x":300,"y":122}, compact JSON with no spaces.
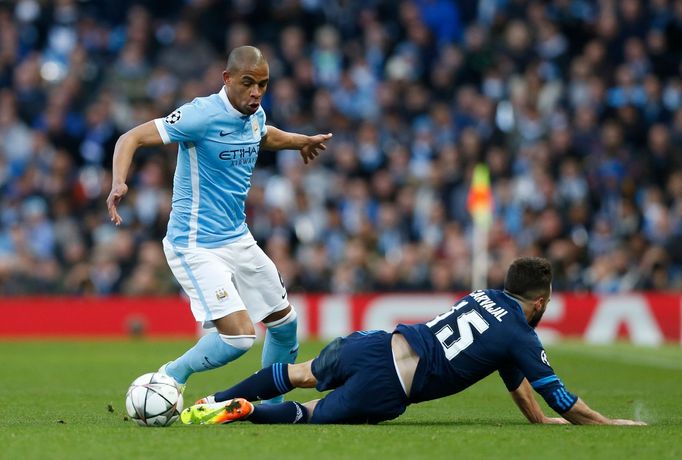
{"x":575,"y":106}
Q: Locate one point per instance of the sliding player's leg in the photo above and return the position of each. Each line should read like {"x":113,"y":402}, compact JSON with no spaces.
{"x":290,"y":412}
{"x":370,"y":392}
{"x":336,"y":363}
{"x":267,"y":383}
{"x":352,"y":403}
{"x":279,"y":379}
{"x":360,"y":368}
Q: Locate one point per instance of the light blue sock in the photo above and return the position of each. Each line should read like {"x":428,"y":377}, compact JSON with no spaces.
{"x":281,"y":346}
{"x":210,"y":352}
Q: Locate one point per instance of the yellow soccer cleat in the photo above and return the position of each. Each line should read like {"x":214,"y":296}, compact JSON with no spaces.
{"x":217,"y":413}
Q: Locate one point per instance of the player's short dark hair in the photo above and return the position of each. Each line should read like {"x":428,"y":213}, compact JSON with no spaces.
{"x":528,"y":277}
{"x":244,"y":56}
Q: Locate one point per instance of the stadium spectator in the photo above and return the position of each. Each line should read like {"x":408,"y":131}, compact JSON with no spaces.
{"x":575,"y":106}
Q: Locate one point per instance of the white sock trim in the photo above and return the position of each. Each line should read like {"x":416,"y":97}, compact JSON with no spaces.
{"x":241,"y":342}
{"x":288,"y":318}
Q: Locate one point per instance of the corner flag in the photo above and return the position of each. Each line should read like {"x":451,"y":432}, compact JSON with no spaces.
{"x":480,"y":205}
{"x":480,"y":200}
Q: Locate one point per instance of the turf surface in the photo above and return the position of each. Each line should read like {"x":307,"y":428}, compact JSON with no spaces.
{"x":65,"y":400}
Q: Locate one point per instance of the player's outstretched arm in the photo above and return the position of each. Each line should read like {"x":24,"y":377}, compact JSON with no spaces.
{"x":525,"y":400}
{"x":309,"y":146}
{"x":145,"y":134}
{"x":581,"y":414}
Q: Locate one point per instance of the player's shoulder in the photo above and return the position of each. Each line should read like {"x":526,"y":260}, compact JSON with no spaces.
{"x":207,"y":105}
{"x":199,"y":107}
{"x":204,"y":109}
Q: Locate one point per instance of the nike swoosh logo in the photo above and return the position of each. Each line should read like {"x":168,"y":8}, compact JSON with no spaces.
{"x":284,"y":295}
{"x":210,"y":364}
{"x":223,"y":134}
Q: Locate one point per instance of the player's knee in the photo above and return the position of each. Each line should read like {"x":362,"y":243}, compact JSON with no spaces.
{"x":310,"y":406}
{"x":280,"y":323}
{"x":301,"y":375}
{"x":284,"y":330}
{"x":235,"y":324}
{"x":279,"y":316}
{"x":240,"y":342}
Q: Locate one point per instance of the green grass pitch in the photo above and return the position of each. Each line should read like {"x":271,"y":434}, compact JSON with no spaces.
{"x":65,"y":400}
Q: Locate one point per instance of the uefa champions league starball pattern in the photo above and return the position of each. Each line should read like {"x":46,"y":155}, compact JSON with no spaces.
{"x":154,"y":399}
{"x":173,"y":117}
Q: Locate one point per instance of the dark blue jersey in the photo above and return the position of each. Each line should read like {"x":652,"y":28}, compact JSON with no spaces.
{"x":484,"y":332}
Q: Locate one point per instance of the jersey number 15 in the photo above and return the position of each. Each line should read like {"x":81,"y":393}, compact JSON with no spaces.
{"x":465,"y":322}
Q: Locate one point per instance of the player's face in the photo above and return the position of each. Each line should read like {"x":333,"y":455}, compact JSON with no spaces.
{"x":246,"y":87}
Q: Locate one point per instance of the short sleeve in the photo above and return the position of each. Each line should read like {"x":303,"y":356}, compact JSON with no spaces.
{"x":532,"y":362}
{"x":186,"y":124}
{"x":512,"y":376}
{"x":530,"y":358}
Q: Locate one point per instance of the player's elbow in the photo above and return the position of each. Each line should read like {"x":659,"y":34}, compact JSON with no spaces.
{"x":128,"y":140}
{"x":142,"y":135}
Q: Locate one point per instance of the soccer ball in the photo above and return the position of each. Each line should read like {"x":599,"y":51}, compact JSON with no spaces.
{"x":154,"y":399}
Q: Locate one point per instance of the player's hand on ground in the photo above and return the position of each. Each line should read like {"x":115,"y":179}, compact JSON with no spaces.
{"x":118,"y":191}
{"x":314,"y":147}
{"x":623,"y":421}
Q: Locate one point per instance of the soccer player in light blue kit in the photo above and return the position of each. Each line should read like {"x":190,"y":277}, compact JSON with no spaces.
{"x":230,"y":281}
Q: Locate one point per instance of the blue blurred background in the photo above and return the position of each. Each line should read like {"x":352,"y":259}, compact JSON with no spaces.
{"x":575,"y":106}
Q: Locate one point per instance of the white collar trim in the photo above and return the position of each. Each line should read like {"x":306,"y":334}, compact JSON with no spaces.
{"x":228,"y":105}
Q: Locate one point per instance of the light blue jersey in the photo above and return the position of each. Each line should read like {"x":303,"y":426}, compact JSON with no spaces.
{"x":218,"y":149}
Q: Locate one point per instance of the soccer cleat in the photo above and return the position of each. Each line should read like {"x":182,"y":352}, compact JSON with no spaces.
{"x":210,"y":399}
{"x":217,"y":413}
{"x":181,"y":386}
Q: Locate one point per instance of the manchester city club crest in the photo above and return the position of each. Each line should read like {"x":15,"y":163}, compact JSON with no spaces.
{"x":221,"y":294}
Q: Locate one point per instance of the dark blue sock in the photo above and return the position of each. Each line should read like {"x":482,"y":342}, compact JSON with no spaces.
{"x":264,"y":384}
{"x":286,"y":412}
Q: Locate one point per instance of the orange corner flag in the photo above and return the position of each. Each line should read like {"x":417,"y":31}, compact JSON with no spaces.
{"x":480,"y":200}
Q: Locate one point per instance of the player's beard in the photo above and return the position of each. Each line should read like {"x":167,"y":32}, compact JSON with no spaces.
{"x":535,"y":320}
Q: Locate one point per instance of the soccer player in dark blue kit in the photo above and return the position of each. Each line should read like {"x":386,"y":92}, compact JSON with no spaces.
{"x":375,"y":375}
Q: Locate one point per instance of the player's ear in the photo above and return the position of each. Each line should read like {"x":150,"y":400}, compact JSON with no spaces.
{"x":226,"y":78}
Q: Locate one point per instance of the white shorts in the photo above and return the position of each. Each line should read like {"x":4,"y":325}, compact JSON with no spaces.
{"x":220,"y":281}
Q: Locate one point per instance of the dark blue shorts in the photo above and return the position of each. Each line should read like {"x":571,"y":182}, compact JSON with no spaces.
{"x":360,"y":370}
